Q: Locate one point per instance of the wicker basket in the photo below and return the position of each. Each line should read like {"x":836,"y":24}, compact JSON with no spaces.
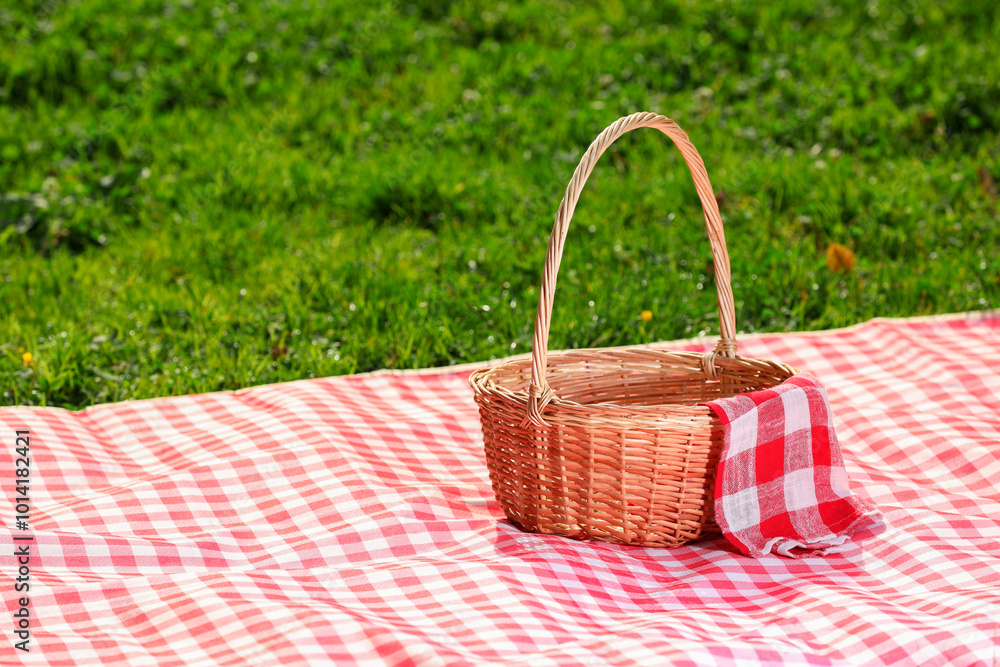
{"x":610,"y":444}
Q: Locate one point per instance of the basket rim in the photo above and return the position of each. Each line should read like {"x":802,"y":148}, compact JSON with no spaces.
{"x":481,"y":381}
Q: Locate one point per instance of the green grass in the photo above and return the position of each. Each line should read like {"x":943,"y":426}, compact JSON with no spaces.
{"x":198,"y":196}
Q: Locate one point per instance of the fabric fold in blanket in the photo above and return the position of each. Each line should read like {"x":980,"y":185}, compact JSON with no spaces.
{"x":781,"y":485}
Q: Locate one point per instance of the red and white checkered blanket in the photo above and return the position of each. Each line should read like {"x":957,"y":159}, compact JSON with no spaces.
{"x":351,"y":519}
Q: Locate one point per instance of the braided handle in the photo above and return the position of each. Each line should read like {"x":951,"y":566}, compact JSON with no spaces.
{"x":539,"y":393}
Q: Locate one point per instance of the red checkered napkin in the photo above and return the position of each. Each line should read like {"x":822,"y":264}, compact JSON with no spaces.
{"x":781,"y":482}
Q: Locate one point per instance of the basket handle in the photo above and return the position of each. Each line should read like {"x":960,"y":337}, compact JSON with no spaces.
{"x":539,"y":393}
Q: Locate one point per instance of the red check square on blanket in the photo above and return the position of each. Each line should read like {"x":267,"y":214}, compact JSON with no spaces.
{"x":781,"y":483}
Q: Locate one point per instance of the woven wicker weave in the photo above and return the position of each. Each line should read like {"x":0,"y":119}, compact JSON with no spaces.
{"x":610,"y":444}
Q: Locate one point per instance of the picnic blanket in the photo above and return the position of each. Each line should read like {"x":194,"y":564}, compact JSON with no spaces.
{"x":351,"y":520}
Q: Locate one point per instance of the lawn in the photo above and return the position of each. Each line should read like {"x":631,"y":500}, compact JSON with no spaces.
{"x":199,"y":196}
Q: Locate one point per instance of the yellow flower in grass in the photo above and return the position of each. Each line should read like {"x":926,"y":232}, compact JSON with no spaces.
{"x":27,"y":359}
{"x":646,"y":315}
